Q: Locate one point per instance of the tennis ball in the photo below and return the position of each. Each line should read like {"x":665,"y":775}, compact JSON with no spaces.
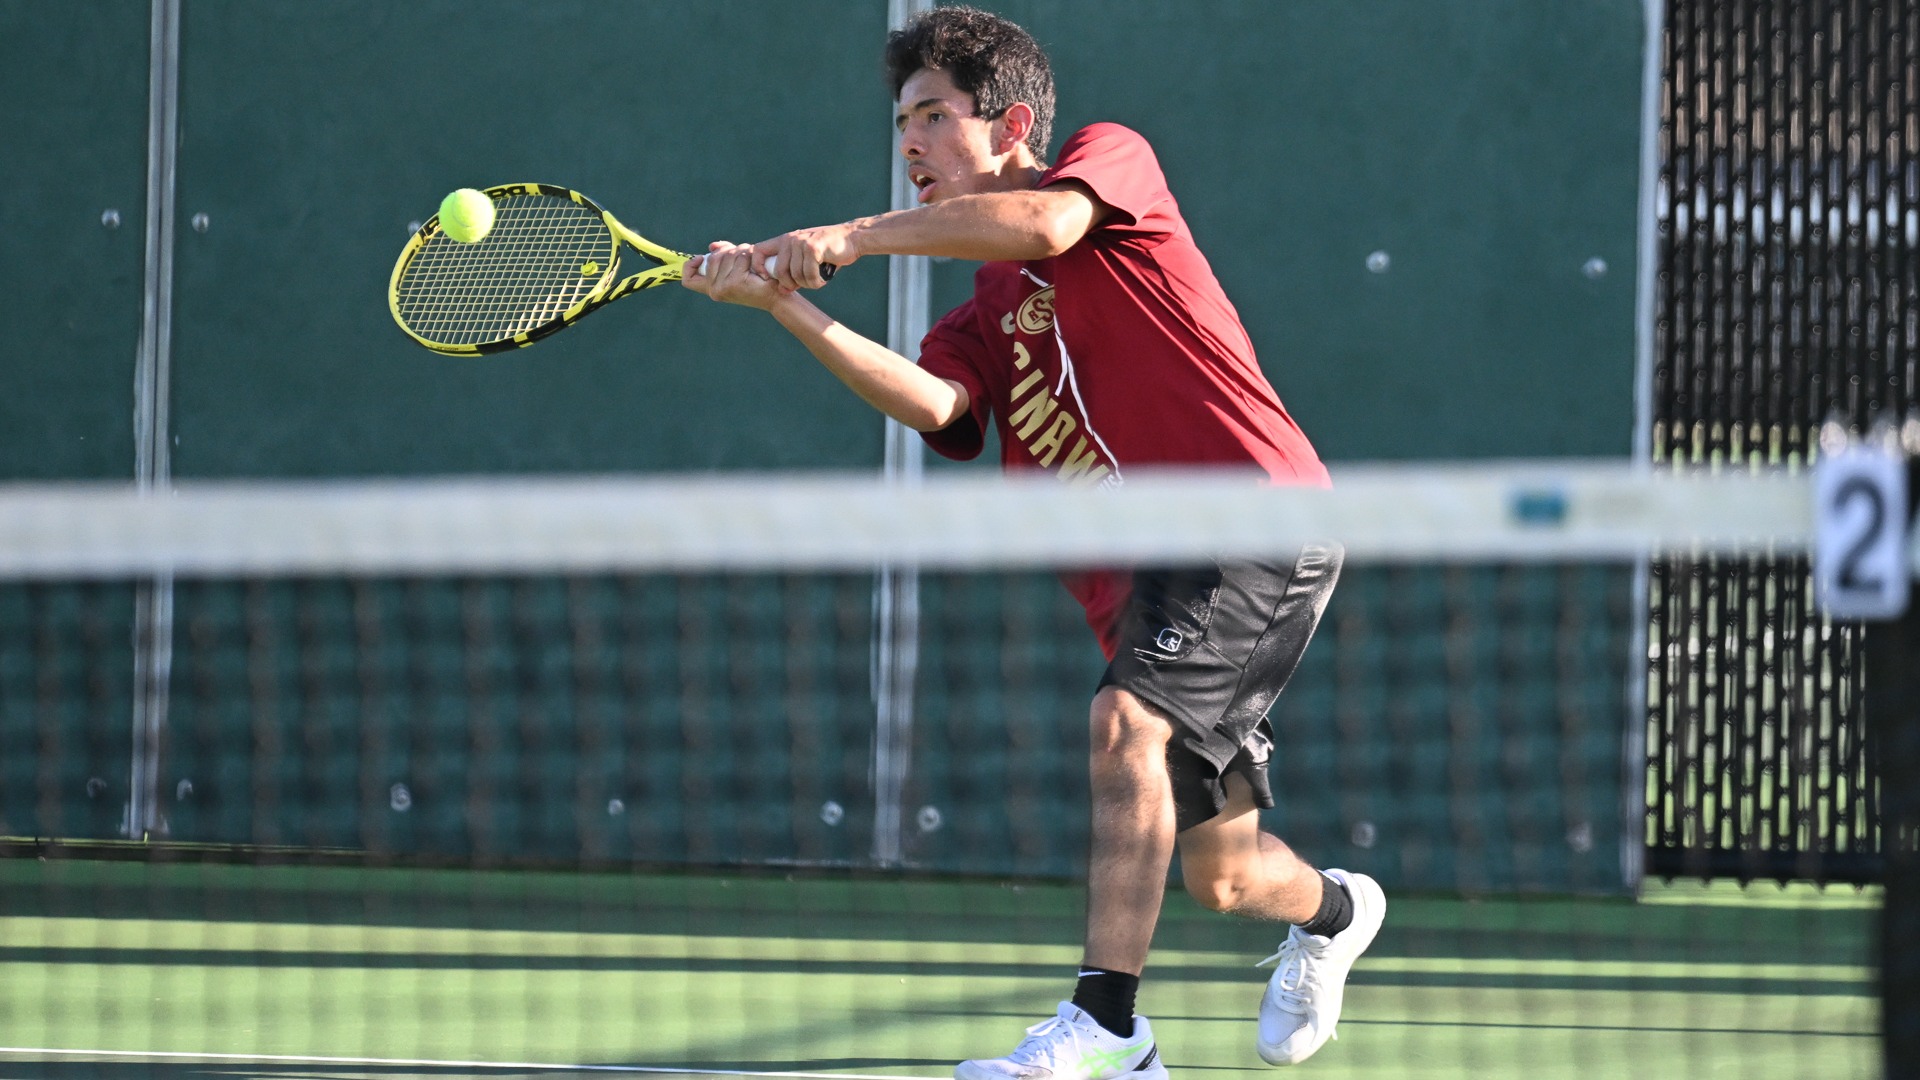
{"x":466,"y":215}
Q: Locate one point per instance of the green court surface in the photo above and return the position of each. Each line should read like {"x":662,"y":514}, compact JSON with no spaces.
{"x":132,"y":969}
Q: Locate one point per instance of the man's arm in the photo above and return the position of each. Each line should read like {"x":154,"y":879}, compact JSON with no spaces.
{"x":883,"y":378}
{"x":1037,"y":223}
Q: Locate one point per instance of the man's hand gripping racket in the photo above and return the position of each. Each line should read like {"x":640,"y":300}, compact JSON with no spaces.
{"x":551,"y":257}
{"x":807,"y":258}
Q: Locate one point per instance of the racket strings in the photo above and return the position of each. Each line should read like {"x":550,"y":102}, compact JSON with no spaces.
{"x":544,"y":256}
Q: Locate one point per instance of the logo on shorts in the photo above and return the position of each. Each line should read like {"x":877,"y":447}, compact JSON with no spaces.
{"x":1169,"y":640}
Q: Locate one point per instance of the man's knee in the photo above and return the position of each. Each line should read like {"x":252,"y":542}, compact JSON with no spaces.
{"x":1124,"y":725}
{"x":1213,"y":889}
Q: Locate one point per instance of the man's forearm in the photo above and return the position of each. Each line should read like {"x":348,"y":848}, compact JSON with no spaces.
{"x":883,"y":378}
{"x":1008,"y":225}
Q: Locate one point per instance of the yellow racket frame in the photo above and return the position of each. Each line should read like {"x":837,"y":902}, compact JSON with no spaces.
{"x":610,"y":287}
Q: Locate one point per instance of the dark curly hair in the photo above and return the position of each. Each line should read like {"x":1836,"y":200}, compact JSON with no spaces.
{"x":985,"y":55}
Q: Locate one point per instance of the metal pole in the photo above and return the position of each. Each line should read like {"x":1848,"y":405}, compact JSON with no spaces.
{"x":153,"y":473}
{"x":1891,"y":707}
{"x":897,"y":592}
{"x":1633,"y":751}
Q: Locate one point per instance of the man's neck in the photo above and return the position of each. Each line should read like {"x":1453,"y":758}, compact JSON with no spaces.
{"x":1019,"y":174}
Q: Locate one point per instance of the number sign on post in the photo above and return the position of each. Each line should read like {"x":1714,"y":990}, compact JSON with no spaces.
{"x":1860,"y":558}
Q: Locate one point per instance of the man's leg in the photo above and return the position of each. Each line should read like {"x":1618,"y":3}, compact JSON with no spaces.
{"x":1096,"y":1036}
{"x":1133,"y":830}
{"x":1210,"y":646}
{"x":1229,"y":865}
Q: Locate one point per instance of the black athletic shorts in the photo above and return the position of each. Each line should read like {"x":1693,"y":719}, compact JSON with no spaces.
{"x":1212,"y":646}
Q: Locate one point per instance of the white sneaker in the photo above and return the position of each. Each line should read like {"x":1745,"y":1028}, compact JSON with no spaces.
{"x":1302,"y":1004}
{"x":1072,"y":1046}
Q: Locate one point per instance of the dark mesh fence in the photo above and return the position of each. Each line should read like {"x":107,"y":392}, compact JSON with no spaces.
{"x":1787,"y":216}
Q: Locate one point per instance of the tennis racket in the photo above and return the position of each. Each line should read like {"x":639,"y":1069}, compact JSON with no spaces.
{"x":551,"y":257}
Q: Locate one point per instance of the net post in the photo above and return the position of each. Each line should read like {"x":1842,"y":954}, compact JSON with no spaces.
{"x":1892,"y":708}
{"x":897,"y":587}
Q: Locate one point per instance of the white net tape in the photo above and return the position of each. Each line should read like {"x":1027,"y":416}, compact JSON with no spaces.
{"x":1506,"y":512}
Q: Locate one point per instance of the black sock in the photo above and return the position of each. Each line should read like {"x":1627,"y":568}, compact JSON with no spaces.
{"x":1107,"y":996}
{"x":1336,"y":909}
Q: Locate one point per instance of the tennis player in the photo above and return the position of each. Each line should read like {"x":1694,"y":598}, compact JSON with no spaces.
{"x":1097,"y":341}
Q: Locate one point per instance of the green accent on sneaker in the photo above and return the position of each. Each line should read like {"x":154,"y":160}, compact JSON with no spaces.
{"x":1107,"y":1059}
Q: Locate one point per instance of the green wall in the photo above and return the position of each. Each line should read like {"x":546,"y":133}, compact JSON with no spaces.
{"x":1449,"y":729}
{"x":73,"y":144}
{"x":1490,"y":149}
{"x":312,"y":134}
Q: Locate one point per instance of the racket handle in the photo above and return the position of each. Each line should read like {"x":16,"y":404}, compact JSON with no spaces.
{"x":826,"y":269}
{"x":704,"y":259}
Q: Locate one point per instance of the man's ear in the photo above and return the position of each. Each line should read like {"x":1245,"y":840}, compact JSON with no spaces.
{"x":1015,"y":125}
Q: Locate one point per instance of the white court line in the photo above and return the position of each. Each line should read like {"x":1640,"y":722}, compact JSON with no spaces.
{"x":302,"y":1059}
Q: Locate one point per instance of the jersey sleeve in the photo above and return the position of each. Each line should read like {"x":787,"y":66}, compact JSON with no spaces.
{"x":951,"y":350}
{"x":1120,"y":168}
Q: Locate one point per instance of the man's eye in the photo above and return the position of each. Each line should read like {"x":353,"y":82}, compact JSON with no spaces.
{"x":934,"y":118}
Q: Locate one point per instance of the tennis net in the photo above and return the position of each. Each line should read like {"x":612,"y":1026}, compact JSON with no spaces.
{"x":789,"y":774}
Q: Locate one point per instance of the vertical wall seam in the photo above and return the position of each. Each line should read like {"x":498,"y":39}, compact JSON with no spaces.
{"x":1647,"y":270}
{"x":897,"y":589}
{"x":153,"y":466}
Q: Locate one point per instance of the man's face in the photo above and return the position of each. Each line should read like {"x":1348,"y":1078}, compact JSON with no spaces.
{"x":949,"y":150}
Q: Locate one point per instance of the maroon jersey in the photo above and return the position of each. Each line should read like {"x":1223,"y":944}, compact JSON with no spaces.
{"x":1120,"y":352}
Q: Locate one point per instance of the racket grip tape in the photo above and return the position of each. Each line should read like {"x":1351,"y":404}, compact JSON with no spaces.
{"x":826,"y":269}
